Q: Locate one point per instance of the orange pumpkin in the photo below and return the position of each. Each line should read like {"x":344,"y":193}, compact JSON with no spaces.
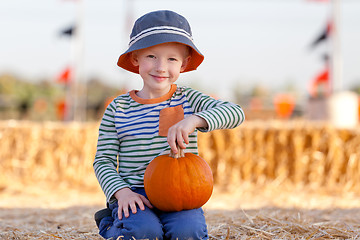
{"x":175,"y":183}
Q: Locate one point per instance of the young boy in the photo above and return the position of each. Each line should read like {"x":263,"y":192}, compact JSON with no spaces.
{"x":141,"y":125}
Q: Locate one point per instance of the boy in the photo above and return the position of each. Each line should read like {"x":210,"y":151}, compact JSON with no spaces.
{"x":141,"y":125}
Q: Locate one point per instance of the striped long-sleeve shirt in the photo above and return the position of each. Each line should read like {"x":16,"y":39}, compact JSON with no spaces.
{"x":129,"y":133}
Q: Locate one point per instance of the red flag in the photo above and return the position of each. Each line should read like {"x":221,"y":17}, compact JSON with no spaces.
{"x":65,"y":76}
{"x":322,"y":79}
{"x":61,"y":108}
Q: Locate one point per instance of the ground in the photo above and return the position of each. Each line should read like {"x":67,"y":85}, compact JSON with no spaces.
{"x":243,"y":212}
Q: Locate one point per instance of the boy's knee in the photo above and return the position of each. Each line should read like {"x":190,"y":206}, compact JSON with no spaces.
{"x":188,"y":230}
{"x":105,"y":225}
{"x":142,"y":225}
{"x":185,"y":225}
{"x":145,"y":230}
{"x":131,"y":230}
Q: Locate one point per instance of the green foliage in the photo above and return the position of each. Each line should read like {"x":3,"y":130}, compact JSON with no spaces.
{"x":38,"y":100}
{"x":356,"y":89}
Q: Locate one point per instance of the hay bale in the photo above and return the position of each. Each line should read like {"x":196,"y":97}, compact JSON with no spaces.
{"x":258,"y":152}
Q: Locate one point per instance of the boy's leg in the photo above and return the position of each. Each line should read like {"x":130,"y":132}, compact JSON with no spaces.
{"x":142,"y":225}
{"x":183,"y":225}
{"x":99,"y":215}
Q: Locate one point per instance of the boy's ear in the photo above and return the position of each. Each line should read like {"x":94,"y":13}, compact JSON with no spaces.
{"x":134,"y":59}
{"x":185,"y":63}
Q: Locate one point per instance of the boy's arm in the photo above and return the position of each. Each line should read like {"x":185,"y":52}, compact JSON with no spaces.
{"x":209,"y":114}
{"x":217,"y":114}
{"x":105,"y":163}
{"x":178,"y":134}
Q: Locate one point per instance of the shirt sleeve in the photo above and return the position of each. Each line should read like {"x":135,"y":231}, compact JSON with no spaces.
{"x":217,"y":113}
{"x":105,"y":163}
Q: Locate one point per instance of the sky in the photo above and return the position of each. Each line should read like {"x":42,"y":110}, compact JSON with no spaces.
{"x":246,"y":43}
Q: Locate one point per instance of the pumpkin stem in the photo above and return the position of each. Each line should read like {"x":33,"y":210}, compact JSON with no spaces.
{"x":180,"y":153}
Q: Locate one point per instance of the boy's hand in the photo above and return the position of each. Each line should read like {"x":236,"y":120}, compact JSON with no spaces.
{"x":178,"y":134}
{"x":127,"y":198}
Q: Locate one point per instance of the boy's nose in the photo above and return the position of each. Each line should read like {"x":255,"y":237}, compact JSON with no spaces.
{"x":161,"y":65}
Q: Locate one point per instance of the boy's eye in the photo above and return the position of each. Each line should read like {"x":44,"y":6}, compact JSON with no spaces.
{"x":172,"y":59}
{"x":150,"y":56}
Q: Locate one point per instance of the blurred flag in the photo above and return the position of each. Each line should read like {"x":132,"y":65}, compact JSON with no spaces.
{"x":322,"y":79}
{"x":61,"y":108}
{"x":323,"y":35}
{"x":69,"y":31}
{"x":65,"y":76}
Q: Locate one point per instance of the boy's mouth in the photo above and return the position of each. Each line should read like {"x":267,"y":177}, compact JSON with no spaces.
{"x":159,"y":78}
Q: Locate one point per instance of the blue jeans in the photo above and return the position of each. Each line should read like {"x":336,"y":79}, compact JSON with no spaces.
{"x":154,"y":224}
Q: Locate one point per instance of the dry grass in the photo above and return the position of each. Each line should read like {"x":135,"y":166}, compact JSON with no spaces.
{"x":46,"y":216}
{"x":33,"y":223}
{"x":265,"y":223}
{"x":275,"y":223}
{"x":274,"y":180}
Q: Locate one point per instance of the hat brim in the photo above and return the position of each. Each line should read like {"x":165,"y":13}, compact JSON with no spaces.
{"x":156,"y":39}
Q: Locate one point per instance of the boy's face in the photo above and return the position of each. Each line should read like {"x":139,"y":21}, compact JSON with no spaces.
{"x":160,"y":66}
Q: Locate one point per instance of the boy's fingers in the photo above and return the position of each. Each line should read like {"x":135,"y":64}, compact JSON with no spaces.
{"x":140,"y":204}
{"x":133,"y":207}
{"x":171,"y":141}
{"x":180,"y":141}
{"x":181,"y":145}
{"x":146,"y":201}
{"x":173,"y":147}
{"x":186,"y":139}
{"x":120,"y":213}
{"x":126,"y":211}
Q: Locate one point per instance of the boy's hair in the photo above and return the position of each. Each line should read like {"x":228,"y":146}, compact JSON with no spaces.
{"x":156,"y":28}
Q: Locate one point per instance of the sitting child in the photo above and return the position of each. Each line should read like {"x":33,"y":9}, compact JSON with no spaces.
{"x":141,"y":125}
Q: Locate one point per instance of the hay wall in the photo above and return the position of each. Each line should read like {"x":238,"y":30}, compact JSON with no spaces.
{"x":49,"y":152}
{"x":303,"y":153}
{"x":258,"y":152}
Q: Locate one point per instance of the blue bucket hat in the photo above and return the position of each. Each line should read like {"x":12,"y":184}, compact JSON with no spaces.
{"x":156,"y":28}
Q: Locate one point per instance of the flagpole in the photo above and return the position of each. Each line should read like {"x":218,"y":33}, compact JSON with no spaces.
{"x":71,"y":85}
{"x":336,"y":59}
{"x":343,"y":105}
{"x":78,"y":104}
